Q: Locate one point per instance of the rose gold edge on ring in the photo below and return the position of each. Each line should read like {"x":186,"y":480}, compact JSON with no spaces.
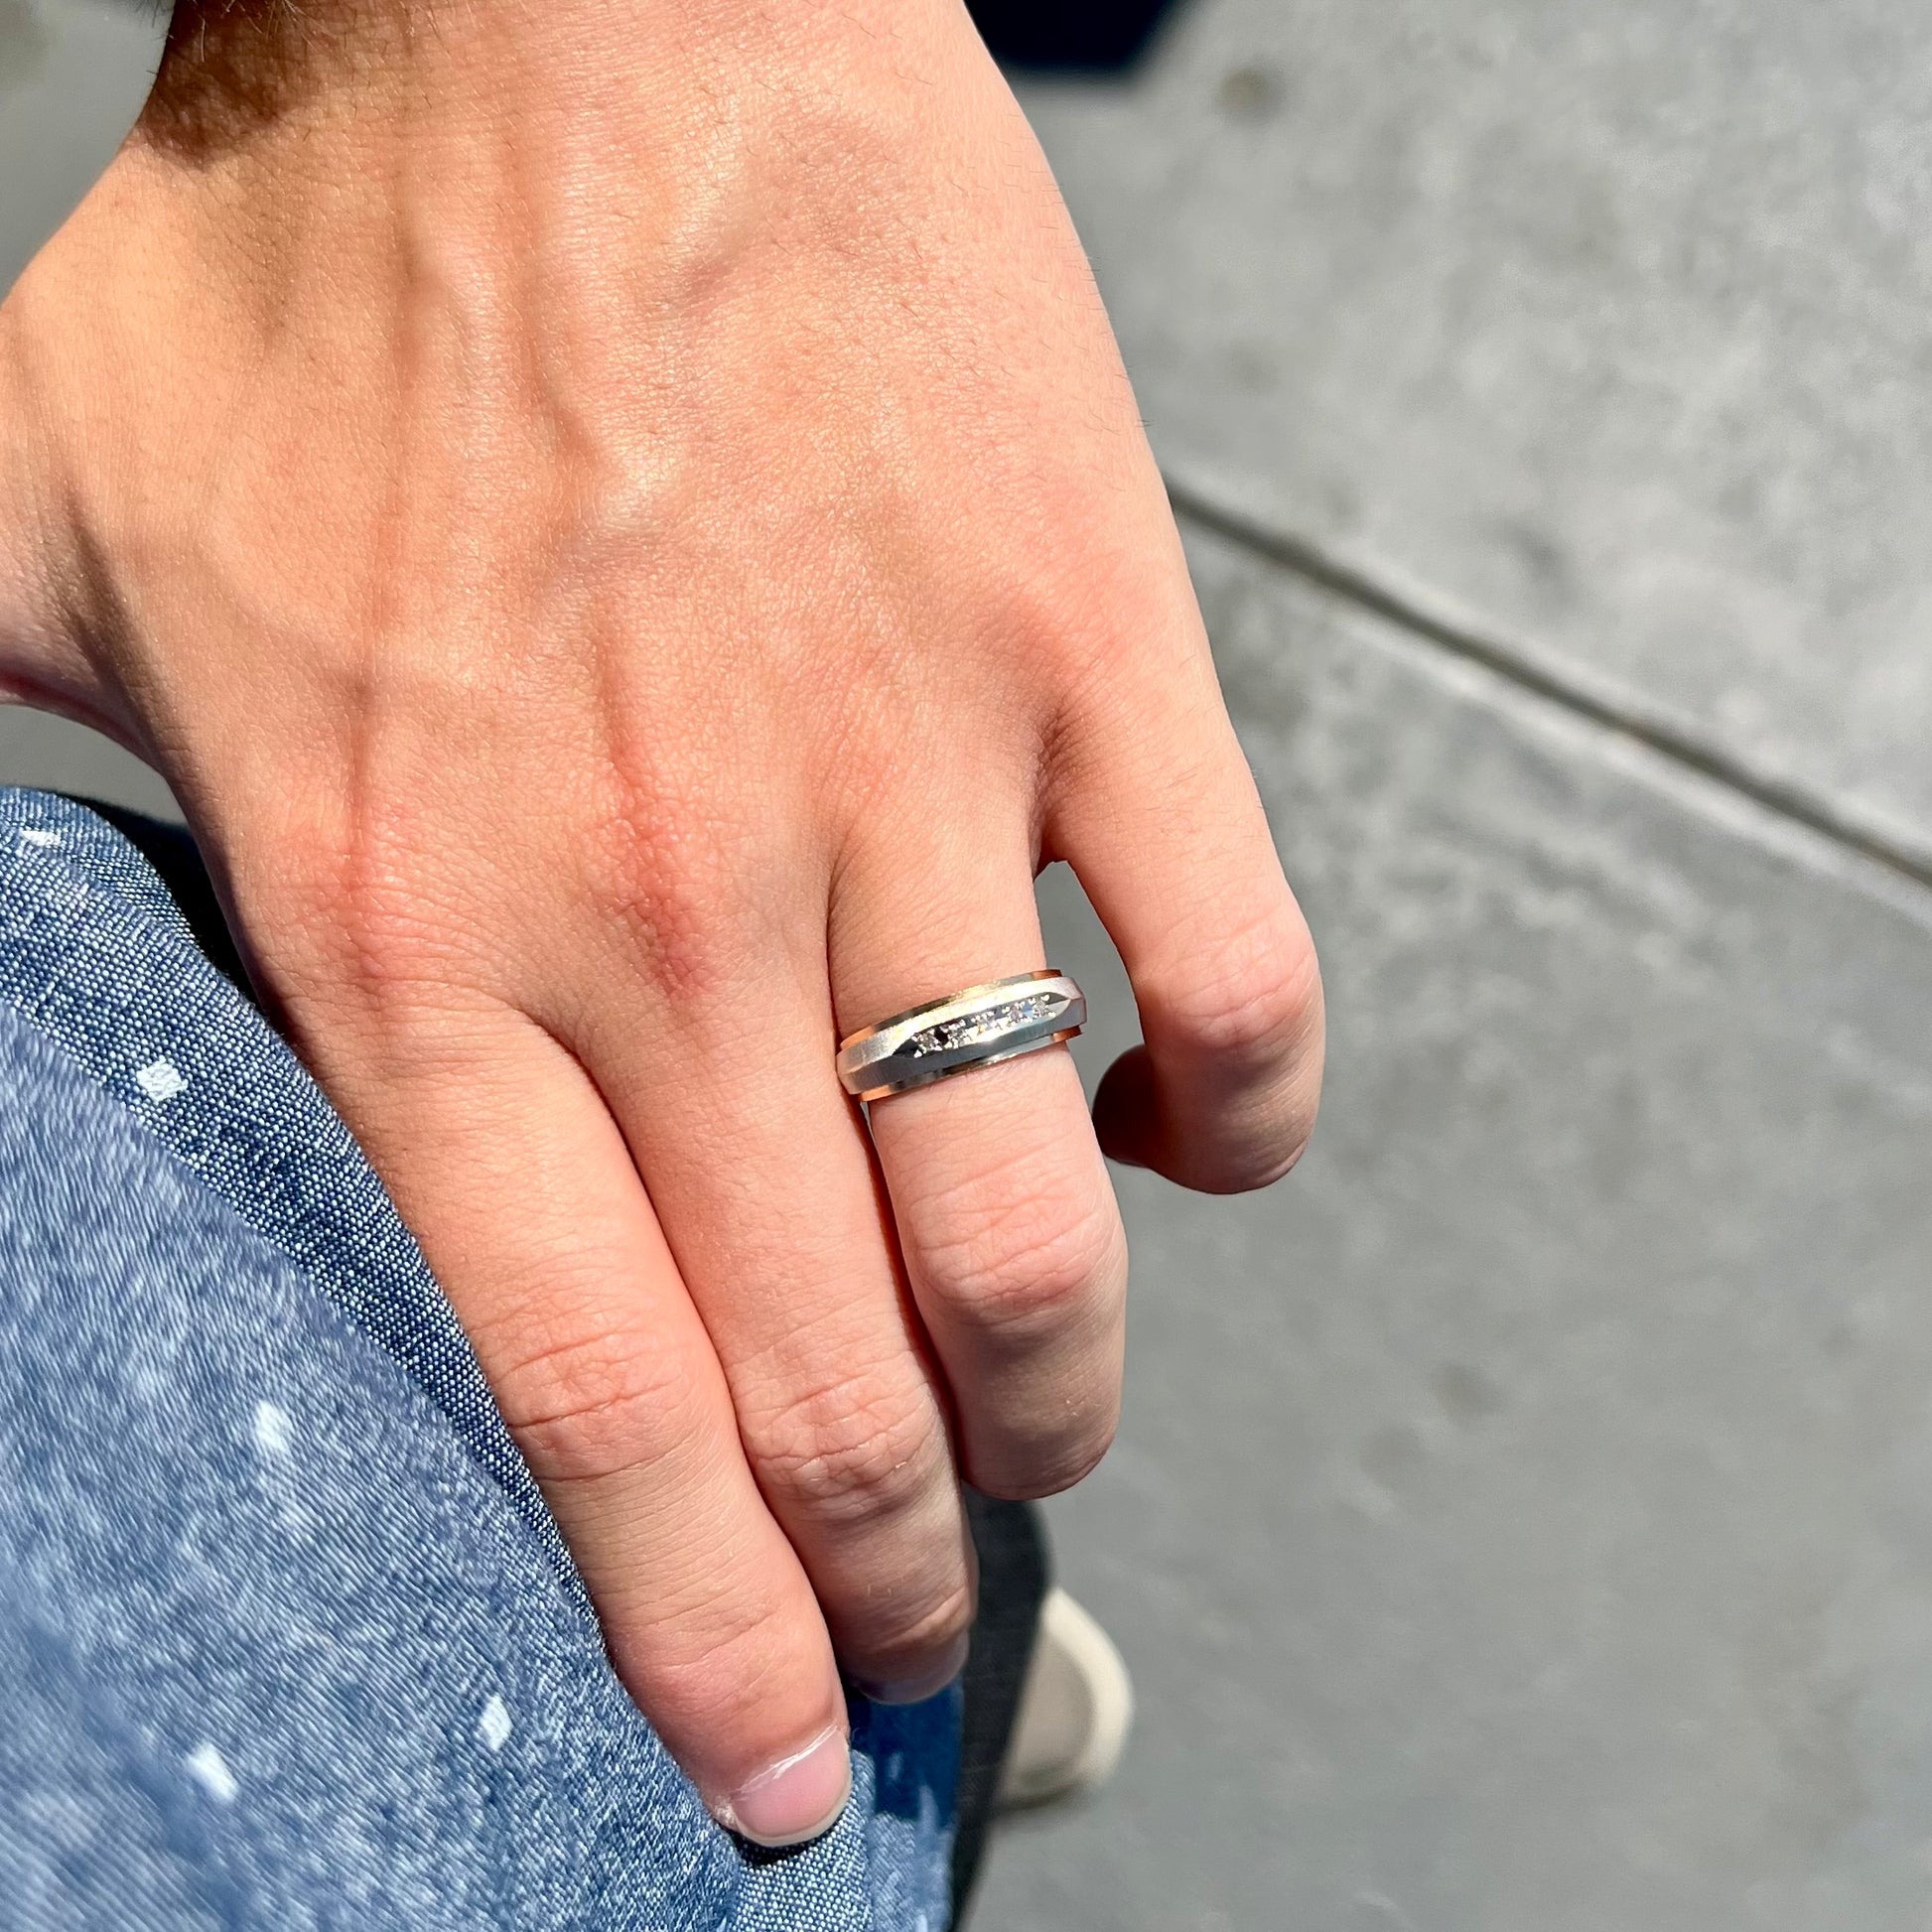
{"x":964,"y":994}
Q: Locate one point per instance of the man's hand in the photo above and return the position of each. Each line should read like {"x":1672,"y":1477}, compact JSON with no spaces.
{"x":627,"y":533}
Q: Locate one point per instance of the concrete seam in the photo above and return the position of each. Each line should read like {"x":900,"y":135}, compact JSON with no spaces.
{"x":1796,"y":804}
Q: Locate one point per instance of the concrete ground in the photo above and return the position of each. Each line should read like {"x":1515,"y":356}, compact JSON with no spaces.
{"x":1523,"y":1519}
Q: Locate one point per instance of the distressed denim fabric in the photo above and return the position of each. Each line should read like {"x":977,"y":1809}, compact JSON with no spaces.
{"x":287,"y":1635}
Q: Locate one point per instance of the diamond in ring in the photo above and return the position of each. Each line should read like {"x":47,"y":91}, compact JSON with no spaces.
{"x":980,"y":1025}
{"x":976,"y":1027}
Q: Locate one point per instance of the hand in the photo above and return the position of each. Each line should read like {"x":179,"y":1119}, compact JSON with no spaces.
{"x":627,"y":533}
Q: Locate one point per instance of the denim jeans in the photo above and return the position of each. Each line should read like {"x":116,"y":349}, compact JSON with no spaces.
{"x":288,"y":1637}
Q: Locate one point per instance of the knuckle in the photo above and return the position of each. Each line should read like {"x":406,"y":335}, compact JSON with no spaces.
{"x":357,"y":916}
{"x":1020,"y":1252}
{"x":946,"y":1621}
{"x":854,"y":1450}
{"x":892,"y":1627}
{"x":725,"y":1661}
{"x":1048,"y":1466}
{"x":921,"y":1625}
{"x":1251,"y":1004}
{"x":588,"y":1405}
{"x":1246,"y":1023}
{"x":1084,"y":1450}
{"x":665,"y":874}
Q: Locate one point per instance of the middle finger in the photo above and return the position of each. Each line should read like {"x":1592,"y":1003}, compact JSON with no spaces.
{"x":760,"y":1173}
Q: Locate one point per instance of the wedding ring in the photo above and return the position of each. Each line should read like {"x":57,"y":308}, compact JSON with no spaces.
{"x":999,"y":1020}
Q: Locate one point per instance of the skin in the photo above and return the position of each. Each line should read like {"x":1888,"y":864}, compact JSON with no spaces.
{"x":627,"y":533}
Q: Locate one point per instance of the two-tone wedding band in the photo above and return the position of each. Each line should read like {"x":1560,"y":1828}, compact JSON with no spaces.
{"x":980,"y":1026}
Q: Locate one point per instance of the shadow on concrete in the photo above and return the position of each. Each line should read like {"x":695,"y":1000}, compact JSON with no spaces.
{"x":1070,"y":36}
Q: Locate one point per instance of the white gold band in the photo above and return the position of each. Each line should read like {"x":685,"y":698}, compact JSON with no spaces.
{"x":977,"y":1028}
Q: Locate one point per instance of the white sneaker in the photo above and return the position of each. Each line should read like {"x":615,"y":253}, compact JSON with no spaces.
{"x":1075,"y":1708}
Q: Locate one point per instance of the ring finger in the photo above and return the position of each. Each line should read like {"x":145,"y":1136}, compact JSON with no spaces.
{"x":1005,"y":1213}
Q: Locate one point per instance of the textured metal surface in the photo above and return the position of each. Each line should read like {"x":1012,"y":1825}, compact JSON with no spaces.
{"x":980,"y":1025}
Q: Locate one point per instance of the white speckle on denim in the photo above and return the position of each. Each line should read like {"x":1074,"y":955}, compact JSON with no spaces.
{"x":494,"y":1727}
{"x":274,"y":1429}
{"x":159,"y":1079}
{"x":36,"y":835}
{"x":210,"y":1770}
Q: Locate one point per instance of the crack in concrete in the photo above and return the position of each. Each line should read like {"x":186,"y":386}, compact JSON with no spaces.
{"x":1795,"y":803}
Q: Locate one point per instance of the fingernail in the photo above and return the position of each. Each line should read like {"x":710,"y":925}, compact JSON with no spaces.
{"x":915,"y":1690}
{"x":797,"y":1799}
